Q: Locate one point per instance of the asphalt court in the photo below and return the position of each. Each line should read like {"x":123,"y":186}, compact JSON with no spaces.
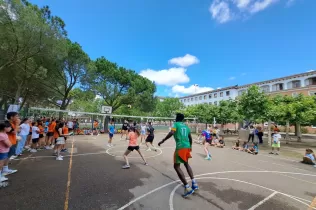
{"x":95,"y":180}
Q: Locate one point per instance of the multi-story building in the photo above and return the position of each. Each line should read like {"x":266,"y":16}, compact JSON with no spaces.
{"x":304,"y":83}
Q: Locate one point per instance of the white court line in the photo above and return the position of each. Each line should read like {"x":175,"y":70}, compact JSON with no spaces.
{"x":263,"y":201}
{"x":300,"y":200}
{"x":221,"y":172}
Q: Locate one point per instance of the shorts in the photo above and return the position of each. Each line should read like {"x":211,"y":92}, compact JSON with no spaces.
{"x":208,"y":141}
{"x":41,"y":135}
{"x":35,"y":140}
{"x":214,"y":134}
{"x":111,"y":135}
{"x":150,"y":139}
{"x":131,"y":148}
{"x":142,"y":132}
{"x":182,"y":155}
{"x":50,"y":134}
{"x":124,"y":129}
{"x":276,"y":145}
{"x":3,"y":156}
{"x":30,"y":133}
{"x":12,"y":151}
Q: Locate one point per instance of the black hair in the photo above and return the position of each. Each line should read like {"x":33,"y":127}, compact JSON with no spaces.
{"x":24,"y":120}
{"x":11,"y":114}
{"x":179,"y":117}
{"x":149,"y":123}
{"x":135,"y":123}
{"x":33,"y":123}
{"x":4,"y":125}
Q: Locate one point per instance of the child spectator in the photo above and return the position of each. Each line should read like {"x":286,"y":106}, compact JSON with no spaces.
{"x":276,"y":142}
{"x":5,"y":145}
{"x":221,"y":143}
{"x":309,"y":158}
{"x":254,"y":149}
{"x":236,"y":146}
{"x":244,"y":147}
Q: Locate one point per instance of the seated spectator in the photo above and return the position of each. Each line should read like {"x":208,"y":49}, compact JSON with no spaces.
{"x":221,"y":143}
{"x":254,"y":149}
{"x":309,"y":158}
{"x":244,"y":147}
{"x":236,"y":146}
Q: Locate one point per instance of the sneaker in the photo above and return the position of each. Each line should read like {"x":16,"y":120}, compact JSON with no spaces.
{"x":59,"y":158}
{"x":13,"y":157}
{"x":271,"y":153}
{"x":3,"y":179}
{"x":109,"y":145}
{"x":314,"y":166}
{"x":64,"y":150}
{"x":27,"y":147}
{"x":47,"y":147}
{"x":52,"y":146}
{"x":148,"y":150}
{"x":187,"y":191}
{"x":208,"y":158}
{"x":33,"y":150}
{"x":154,"y":149}
{"x":125,"y":167}
{"x":8,"y":172}
{"x":195,"y":186}
{"x":146,"y":164}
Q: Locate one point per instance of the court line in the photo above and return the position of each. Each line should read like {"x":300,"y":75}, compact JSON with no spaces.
{"x":69,"y":177}
{"x":313,"y":204}
{"x":212,"y":173}
{"x":263,"y":201}
{"x":300,"y":200}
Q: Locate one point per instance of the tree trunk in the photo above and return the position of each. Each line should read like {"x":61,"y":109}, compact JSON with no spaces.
{"x":299,"y":133}
{"x":17,"y":94}
{"x":296,"y":131}
{"x":269,"y":132}
{"x":287,"y":131}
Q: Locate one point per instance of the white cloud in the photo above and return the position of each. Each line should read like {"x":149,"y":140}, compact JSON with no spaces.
{"x":224,"y":11}
{"x":168,"y":77}
{"x":311,"y":70}
{"x":242,"y":3}
{"x":184,"y":61}
{"x":232,"y":78}
{"x":220,"y":11}
{"x":261,"y":5}
{"x":190,"y":90}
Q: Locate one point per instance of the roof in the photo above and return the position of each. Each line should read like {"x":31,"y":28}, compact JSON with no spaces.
{"x":211,"y":91}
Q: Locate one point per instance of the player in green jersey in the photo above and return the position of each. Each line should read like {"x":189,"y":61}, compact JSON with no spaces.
{"x":182,"y":135}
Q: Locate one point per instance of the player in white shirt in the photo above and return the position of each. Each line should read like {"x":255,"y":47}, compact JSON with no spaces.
{"x":143,"y":129}
{"x":35,"y":136}
{"x":276,"y":142}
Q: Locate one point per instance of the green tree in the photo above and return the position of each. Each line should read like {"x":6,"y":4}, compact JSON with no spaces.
{"x":118,"y":86}
{"x":228,"y":112}
{"x":168,"y":107}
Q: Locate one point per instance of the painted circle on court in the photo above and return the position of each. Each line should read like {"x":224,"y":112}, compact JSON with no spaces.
{"x":152,"y":156}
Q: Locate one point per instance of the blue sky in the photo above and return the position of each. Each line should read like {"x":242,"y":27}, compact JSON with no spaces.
{"x":212,"y":43}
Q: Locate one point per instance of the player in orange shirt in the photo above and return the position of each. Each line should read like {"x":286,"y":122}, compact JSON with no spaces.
{"x":55,"y":136}
{"x":95,"y":127}
{"x":41,"y":141}
{"x":65,"y":132}
{"x":14,"y":120}
{"x":50,"y":134}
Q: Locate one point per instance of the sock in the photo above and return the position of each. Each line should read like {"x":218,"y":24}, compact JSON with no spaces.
{"x":193,"y":181}
{"x":208,"y":155}
{"x":187,"y":186}
{"x":5,"y":168}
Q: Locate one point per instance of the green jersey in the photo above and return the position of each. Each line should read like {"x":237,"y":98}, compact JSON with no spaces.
{"x":181,"y":135}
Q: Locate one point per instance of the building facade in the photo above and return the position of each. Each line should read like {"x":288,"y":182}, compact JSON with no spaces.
{"x":304,"y":83}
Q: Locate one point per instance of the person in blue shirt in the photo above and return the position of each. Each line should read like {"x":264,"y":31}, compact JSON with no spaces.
{"x":111,"y":133}
{"x":207,"y":142}
{"x":254,"y":149}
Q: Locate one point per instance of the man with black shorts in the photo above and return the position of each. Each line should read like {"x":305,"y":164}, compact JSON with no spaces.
{"x":125,"y":129}
{"x":150,"y":137}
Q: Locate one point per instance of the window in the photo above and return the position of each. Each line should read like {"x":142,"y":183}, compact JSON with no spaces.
{"x":204,"y":97}
{"x":215,"y":103}
{"x":200,"y":98}
{"x":191,"y":99}
{"x":241,"y":92}
{"x":210,"y":96}
{"x":310,"y":81}
{"x":227,"y":93}
{"x":215,"y":95}
{"x":296,"y":84}
{"x":184,"y":100}
{"x":196,"y":98}
{"x":265,"y":88}
{"x":221,"y":94}
{"x":279,"y":87}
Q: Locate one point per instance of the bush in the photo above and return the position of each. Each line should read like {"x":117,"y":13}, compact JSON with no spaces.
{"x":304,"y":130}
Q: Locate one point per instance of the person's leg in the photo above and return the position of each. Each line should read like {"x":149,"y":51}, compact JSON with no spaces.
{"x":141,"y":156}
{"x":249,"y":137}
{"x":2,"y":178}
{"x":5,"y":169}
{"x":125,"y":158}
{"x":252,"y":137}
{"x":180,"y":173}
{"x":189,"y":170}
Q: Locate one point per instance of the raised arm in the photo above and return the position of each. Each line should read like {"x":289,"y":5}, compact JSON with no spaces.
{"x":170,"y":134}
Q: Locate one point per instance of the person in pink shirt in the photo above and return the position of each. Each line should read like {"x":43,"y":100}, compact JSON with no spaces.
{"x":5,"y":145}
{"x":133,"y":135}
